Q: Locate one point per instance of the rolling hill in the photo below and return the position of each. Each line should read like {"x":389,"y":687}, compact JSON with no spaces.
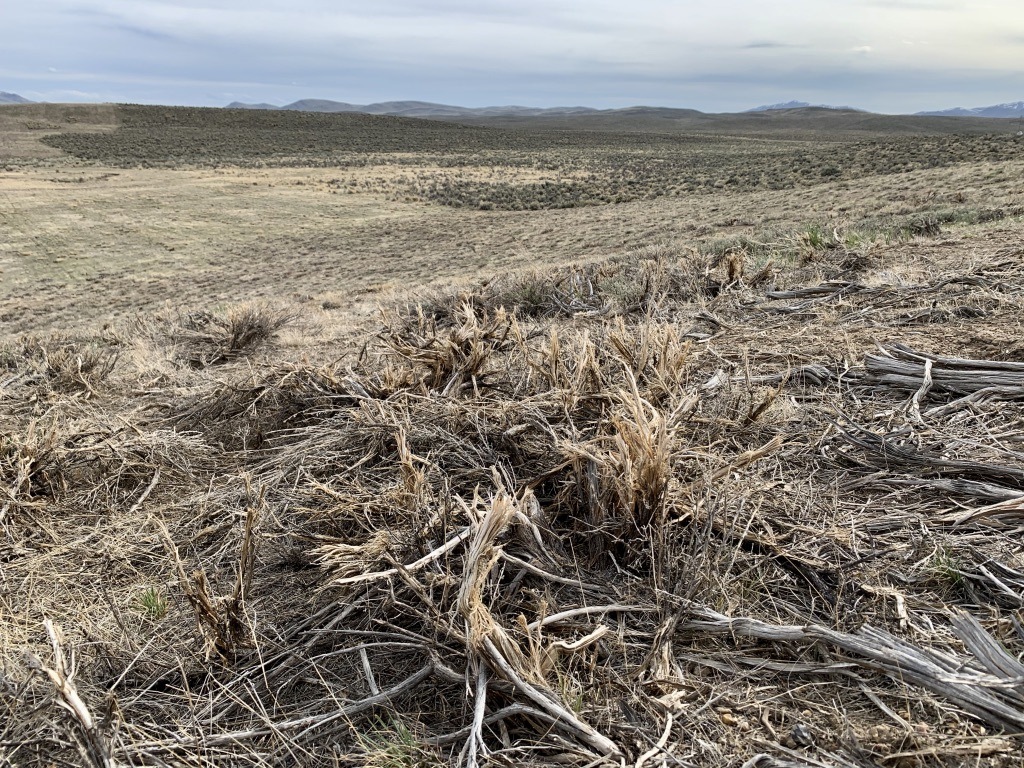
{"x":799,"y":105}
{"x":792,"y":118}
{"x":413,"y":109}
{"x":1010,"y":109}
{"x":818,"y":122}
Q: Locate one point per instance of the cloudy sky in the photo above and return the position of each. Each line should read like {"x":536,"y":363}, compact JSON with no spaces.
{"x":883,"y":55}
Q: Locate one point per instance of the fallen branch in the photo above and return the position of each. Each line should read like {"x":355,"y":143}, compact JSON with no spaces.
{"x":993,"y":694}
{"x":91,"y":744}
{"x":903,"y":368}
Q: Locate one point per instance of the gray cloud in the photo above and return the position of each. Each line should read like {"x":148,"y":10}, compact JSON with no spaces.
{"x":768,"y":45}
{"x":544,"y":52}
{"x":918,"y":5}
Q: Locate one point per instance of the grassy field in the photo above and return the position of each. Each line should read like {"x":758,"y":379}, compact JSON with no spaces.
{"x":308,"y":206}
{"x":342,"y":440}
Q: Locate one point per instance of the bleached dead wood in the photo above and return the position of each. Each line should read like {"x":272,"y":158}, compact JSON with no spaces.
{"x":91,"y":743}
{"x":886,"y":452}
{"x":988,"y":684}
{"x":903,"y":368}
{"x":493,"y":644}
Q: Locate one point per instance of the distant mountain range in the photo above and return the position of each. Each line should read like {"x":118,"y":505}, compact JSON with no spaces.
{"x":415,"y":109}
{"x":12,"y":98}
{"x":428,"y":109}
{"x":1010,"y":109}
{"x":800,"y":105}
{"x":1013,"y":109}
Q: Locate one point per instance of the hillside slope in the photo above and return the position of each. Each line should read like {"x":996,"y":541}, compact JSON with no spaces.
{"x":12,"y":98}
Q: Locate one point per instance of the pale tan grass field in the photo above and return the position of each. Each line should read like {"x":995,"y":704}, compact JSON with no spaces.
{"x":86,"y":244}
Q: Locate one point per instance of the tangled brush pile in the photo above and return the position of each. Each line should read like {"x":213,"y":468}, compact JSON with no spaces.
{"x":647,"y":511}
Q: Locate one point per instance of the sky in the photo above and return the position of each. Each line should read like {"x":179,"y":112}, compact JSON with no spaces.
{"x":894,"y":56}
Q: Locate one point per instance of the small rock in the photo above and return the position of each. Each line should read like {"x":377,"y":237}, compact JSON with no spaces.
{"x":801,"y":736}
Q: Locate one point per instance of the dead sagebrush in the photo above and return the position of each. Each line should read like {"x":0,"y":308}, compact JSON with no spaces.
{"x":199,"y":339}
{"x":701,"y":529}
{"x":58,"y":363}
{"x":30,"y":466}
{"x":222,"y":621}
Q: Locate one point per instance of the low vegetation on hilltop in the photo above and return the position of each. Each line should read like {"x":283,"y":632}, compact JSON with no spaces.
{"x":580,"y":168}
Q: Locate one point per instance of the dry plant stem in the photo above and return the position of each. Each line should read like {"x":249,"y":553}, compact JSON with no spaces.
{"x":475,"y":744}
{"x":145,"y":494}
{"x":588,"y":611}
{"x":221,"y":620}
{"x":552,"y":576}
{"x":926,"y":385}
{"x":485,"y":635}
{"x":1008,"y":670}
{"x":247,"y":553}
{"x":430,"y":557}
{"x":583,"y":642}
{"x":563,"y":718}
{"x":659,"y":745}
{"x":303,"y":724}
{"x":1009,"y":509}
{"x":512,"y":710}
{"x":900,"y":721}
{"x":61,"y":674}
{"x":371,"y":681}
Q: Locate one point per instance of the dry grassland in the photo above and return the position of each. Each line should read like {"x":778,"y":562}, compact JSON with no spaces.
{"x":301,"y":465}
{"x":84,"y":244}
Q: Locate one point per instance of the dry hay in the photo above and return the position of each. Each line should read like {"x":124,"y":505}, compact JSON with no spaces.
{"x":657,"y":511}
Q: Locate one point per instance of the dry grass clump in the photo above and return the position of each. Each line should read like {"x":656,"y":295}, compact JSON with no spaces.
{"x":648,"y":511}
{"x":59,"y":363}
{"x":202,"y":338}
{"x":639,"y":281}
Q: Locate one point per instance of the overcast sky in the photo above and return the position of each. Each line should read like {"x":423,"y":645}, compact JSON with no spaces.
{"x":724,"y":55}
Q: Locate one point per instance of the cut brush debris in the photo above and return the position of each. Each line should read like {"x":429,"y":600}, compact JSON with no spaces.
{"x":645,"y":512}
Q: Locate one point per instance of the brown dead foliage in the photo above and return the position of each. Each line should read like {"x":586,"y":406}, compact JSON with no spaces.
{"x":661,"y":510}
